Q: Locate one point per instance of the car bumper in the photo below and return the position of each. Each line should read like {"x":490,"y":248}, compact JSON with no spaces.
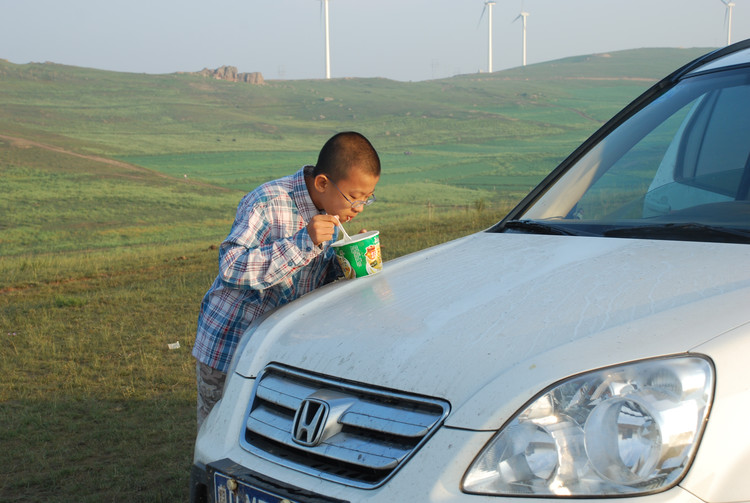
{"x":433,"y":475}
{"x":208,"y":484}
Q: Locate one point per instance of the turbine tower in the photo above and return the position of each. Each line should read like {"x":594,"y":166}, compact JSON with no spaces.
{"x":324,"y":4}
{"x":728,"y":19}
{"x":489,"y":3}
{"x":523,"y":15}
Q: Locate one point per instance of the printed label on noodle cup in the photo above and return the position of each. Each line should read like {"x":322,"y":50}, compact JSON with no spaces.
{"x":360,"y":256}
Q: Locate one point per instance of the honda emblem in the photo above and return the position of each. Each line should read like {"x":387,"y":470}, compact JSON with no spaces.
{"x":310,"y":421}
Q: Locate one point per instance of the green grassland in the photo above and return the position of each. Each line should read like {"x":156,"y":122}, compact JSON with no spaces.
{"x":116,"y":188}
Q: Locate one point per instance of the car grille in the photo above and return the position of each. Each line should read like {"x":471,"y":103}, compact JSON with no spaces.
{"x":369,"y":435}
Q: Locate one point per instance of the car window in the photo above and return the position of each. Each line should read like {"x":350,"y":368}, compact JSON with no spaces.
{"x":620,"y":194}
{"x":716,"y":149}
{"x":684,"y":157}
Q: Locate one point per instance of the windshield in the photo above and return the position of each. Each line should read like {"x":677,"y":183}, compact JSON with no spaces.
{"x":677,"y":169}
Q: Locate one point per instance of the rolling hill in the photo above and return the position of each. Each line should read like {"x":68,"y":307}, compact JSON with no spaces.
{"x":96,"y":159}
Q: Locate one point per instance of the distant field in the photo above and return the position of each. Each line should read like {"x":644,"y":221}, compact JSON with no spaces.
{"x":445,"y":143}
{"x":116,"y":188}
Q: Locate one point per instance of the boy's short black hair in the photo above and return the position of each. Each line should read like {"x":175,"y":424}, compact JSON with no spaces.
{"x":344,"y":151}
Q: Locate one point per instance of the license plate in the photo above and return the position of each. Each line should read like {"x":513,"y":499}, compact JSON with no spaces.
{"x":229,"y":490}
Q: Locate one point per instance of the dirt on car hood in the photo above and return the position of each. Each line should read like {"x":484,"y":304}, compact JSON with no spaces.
{"x":488,"y":321}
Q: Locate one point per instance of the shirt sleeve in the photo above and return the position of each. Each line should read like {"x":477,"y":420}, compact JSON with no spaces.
{"x":260,"y":252}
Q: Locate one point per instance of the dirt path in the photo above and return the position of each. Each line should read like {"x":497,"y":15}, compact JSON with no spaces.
{"x":26,"y":143}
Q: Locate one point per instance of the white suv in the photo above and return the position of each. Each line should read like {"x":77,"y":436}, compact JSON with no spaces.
{"x":592,"y":344}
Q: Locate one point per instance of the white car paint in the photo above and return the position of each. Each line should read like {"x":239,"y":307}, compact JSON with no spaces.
{"x":527,"y":301}
{"x":561,"y":306}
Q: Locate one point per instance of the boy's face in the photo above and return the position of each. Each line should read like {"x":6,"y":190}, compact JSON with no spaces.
{"x":337,"y":198}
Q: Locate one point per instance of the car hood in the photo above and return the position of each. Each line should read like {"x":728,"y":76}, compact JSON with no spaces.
{"x":488,"y":321}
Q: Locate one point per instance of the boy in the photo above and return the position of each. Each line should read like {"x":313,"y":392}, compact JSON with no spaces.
{"x":279,"y":249}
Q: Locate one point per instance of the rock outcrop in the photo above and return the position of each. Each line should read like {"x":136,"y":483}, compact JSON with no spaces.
{"x":230,"y":73}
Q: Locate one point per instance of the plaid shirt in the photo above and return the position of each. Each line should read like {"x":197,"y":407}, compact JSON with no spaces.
{"x":267,"y":260}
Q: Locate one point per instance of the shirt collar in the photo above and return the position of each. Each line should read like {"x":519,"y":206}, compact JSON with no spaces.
{"x":301,"y":196}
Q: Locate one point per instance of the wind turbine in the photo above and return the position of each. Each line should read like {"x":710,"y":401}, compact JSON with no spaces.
{"x":728,"y":19}
{"x":489,"y":3}
{"x":324,"y":5}
{"x":524,"y":15}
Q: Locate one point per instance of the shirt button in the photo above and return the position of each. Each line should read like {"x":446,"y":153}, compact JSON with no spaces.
{"x":290,"y":263}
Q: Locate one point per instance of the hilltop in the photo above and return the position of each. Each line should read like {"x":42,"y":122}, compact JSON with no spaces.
{"x":114,"y":113}
{"x":130,"y":159}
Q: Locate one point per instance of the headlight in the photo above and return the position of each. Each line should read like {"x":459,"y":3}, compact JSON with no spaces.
{"x":624,"y":430}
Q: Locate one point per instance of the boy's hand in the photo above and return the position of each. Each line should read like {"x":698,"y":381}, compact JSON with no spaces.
{"x":321,"y":228}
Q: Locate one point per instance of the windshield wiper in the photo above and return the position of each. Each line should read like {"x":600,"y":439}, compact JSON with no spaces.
{"x":536,"y":227}
{"x":688,"y":231}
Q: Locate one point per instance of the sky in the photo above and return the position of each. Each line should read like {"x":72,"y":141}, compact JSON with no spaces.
{"x":405,"y":40}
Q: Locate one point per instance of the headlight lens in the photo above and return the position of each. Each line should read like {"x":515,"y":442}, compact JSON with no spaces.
{"x":623,"y":430}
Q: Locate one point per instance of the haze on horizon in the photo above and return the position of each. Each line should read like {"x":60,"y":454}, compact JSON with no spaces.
{"x":396,"y":39}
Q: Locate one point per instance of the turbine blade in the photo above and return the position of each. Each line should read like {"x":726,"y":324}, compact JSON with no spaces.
{"x":481,"y":16}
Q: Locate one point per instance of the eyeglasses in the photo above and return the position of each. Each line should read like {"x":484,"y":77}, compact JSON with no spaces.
{"x":355,"y":204}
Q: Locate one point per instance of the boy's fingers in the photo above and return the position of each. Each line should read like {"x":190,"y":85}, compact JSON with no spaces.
{"x":321,"y":228}
{"x":326,"y":218}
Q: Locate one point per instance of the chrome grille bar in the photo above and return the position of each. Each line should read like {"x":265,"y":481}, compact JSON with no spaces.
{"x":370,"y":432}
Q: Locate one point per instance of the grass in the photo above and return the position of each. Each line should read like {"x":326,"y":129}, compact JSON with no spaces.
{"x":95,"y":407}
{"x":106,"y":247}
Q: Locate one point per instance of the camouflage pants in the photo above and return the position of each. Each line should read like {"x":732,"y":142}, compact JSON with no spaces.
{"x":210,"y":386}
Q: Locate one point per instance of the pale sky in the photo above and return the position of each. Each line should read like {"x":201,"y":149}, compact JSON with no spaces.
{"x":396,"y":39}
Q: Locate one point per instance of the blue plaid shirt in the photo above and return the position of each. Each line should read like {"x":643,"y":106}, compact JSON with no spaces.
{"x":267,"y":260}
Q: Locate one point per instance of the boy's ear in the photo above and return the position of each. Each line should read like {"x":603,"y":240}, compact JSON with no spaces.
{"x":321,"y":183}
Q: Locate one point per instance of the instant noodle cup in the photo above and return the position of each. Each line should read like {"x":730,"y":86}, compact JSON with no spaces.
{"x":360,"y":255}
